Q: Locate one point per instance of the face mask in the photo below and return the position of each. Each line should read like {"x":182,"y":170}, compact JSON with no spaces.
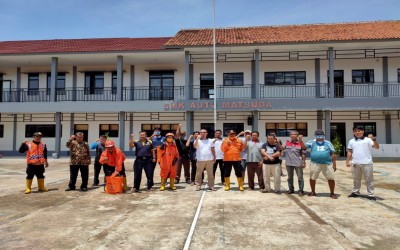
{"x":170,"y":140}
{"x":320,"y":136}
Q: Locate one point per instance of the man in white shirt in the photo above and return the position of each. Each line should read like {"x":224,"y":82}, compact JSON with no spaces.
{"x":219,"y":155}
{"x":359,"y":158}
{"x":205,"y":154}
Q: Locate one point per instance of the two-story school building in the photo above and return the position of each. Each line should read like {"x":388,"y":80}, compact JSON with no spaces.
{"x":270,"y":79}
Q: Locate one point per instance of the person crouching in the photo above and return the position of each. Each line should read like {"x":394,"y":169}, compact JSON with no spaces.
{"x":113,"y":161}
{"x":167,"y":156}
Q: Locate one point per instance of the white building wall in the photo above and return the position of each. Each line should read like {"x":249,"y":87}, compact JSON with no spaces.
{"x":142,"y":73}
{"x":395,"y":131}
{"x":7,"y":141}
{"x":231,"y":67}
{"x":280,"y":66}
{"x":393,"y":65}
{"x":347,"y":65}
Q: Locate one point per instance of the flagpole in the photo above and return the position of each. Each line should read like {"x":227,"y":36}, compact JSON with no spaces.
{"x":215,"y":70}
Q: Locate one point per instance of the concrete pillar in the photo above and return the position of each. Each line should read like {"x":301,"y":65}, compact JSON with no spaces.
{"x":132,"y":85}
{"x":188,"y":89}
{"x":130,"y":127}
{"x":320,"y":117}
{"x":256,"y":79}
{"x":388,"y":128}
{"x":255,"y":120}
{"x":71,"y":129}
{"x":120,"y":72}
{"x":122,"y":130}
{"x":191,"y":81}
{"x":317,"y":67}
{"x":18,"y":84}
{"x":57,"y":148}
{"x":385,"y":74}
{"x":327,"y":125}
{"x":331,"y":89}
{"x":74,"y":82}
{"x":53,"y":79}
{"x":15,"y":132}
{"x":189,"y":122}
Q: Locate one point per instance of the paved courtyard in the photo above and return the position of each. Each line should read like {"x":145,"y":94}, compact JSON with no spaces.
{"x":227,"y":220}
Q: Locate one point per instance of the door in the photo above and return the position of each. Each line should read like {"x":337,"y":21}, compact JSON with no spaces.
{"x":207,"y":86}
{"x":338,"y":80}
{"x":339,"y":130}
{"x":5,"y":90}
{"x":84,"y":128}
{"x":210,"y":129}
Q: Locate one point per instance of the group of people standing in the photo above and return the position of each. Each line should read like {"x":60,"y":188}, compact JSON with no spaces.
{"x":205,"y":154}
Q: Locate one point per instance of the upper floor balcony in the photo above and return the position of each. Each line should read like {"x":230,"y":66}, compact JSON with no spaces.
{"x":346,"y":90}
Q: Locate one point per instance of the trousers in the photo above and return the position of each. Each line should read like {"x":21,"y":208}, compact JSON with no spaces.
{"x":74,"y":170}
{"x":275,"y":170}
{"x":363,"y":169}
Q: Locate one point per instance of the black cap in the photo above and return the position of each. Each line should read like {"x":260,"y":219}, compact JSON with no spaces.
{"x":319,"y":132}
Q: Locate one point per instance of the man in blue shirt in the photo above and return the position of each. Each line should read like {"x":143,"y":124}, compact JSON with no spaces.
{"x":145,"y":159}
{"x":99,"y":146}
{"x":323,"y":159}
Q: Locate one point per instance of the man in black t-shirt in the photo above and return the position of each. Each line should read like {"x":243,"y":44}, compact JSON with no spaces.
{"x":270,"y":152}
{"x":184,"y":157}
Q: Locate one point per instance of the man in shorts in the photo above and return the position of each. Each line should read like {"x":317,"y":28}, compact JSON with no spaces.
{"x":323,"y":159}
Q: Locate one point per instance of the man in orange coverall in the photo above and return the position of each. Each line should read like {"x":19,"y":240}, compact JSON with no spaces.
{"x":232,"y":147}
{"x":167,"y":156}
{"x":113,"y":161}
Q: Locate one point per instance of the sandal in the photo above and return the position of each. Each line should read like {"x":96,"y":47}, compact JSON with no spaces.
{"x":333,"y":196}
{"x":312,"y":194}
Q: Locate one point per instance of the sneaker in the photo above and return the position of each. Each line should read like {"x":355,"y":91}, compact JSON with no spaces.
{"x":69,"y":189}
{"x":263,"y":191}
{"x":95,"y":184}
{"x":372,"y":198}
{"x":290,"y":192}
{"x":353,"y":195}
{"x":212,"y":189}
{"x":198,"y":188}
{"x":301,"y":193}
{"x":84,"y":189}
{"x":137,"y":191}
{"x":150,"y":189}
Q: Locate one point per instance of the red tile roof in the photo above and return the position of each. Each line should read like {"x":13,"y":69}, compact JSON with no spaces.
{"x":82,"y":45}
{"x":378,"y":30}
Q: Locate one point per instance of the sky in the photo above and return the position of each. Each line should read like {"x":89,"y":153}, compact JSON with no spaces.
{"x":64,"y":19}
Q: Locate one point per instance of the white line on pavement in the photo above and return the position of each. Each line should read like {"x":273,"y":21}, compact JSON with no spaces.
{"x":196,"y":217}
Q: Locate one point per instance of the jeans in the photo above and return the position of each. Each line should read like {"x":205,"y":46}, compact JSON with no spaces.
{"x":299,"y":171}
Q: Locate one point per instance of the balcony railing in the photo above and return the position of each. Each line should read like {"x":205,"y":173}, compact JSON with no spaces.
{"x":346,"y":90}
